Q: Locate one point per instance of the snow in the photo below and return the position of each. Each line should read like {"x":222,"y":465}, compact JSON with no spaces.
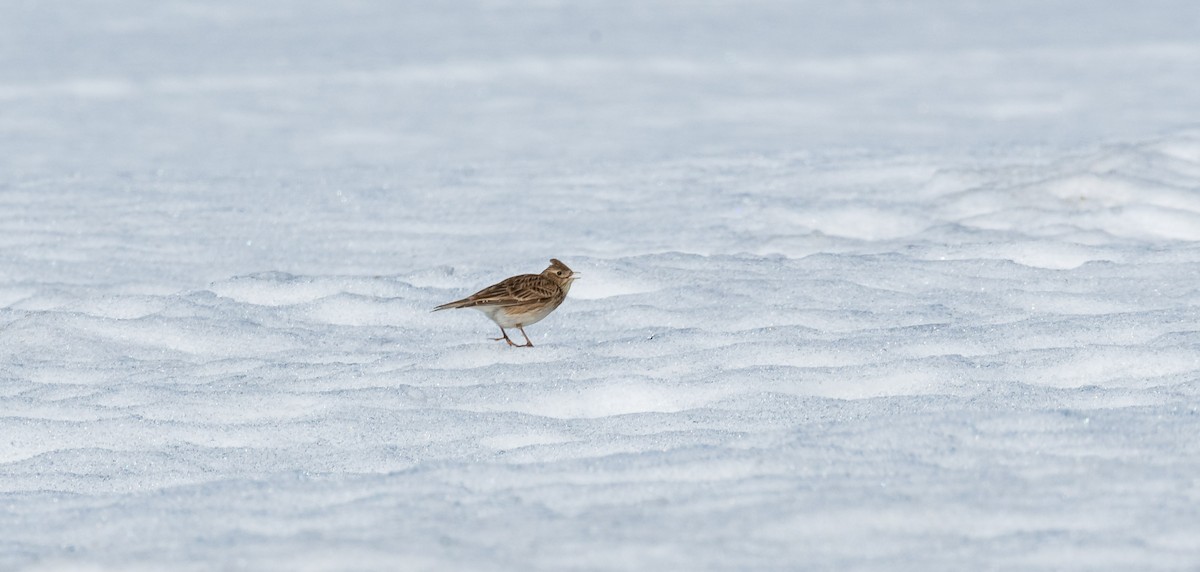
{"x":864,"y":286}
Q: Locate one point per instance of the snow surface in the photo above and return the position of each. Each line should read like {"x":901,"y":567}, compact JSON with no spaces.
{"x":865,"y":285}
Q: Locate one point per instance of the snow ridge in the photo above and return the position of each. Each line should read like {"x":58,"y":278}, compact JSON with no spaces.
{"x":854,"y":388}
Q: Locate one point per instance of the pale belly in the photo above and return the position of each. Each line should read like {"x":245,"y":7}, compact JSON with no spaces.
{"x":516,"y":316}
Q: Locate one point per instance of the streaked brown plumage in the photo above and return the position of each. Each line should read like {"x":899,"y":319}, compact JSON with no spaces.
{"x":521,"y":300}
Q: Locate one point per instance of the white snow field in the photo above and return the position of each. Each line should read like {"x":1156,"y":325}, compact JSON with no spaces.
{"x":866,"y":285}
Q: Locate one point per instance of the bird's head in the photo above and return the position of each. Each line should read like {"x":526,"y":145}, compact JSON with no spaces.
{"x":558,"y":272}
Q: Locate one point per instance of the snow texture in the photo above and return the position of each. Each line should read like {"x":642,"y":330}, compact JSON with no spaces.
{"x":866,"y":285}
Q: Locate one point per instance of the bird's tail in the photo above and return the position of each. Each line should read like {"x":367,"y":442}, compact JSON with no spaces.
{"x":452,"y":305}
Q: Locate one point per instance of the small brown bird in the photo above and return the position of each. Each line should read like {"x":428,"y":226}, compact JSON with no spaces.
{"x":521,"y":300}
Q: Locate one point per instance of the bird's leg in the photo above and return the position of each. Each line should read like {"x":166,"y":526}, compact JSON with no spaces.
{"x":504,"y":336}
{"x":528,"y":344}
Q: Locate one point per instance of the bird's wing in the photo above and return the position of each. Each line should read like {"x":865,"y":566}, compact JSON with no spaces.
{"x":515,"y":291}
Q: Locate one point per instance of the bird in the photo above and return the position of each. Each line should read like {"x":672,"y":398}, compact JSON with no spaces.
{"x":521,"y":300}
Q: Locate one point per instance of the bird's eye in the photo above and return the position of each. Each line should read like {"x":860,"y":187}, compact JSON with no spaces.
{"x":558,"y":272}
